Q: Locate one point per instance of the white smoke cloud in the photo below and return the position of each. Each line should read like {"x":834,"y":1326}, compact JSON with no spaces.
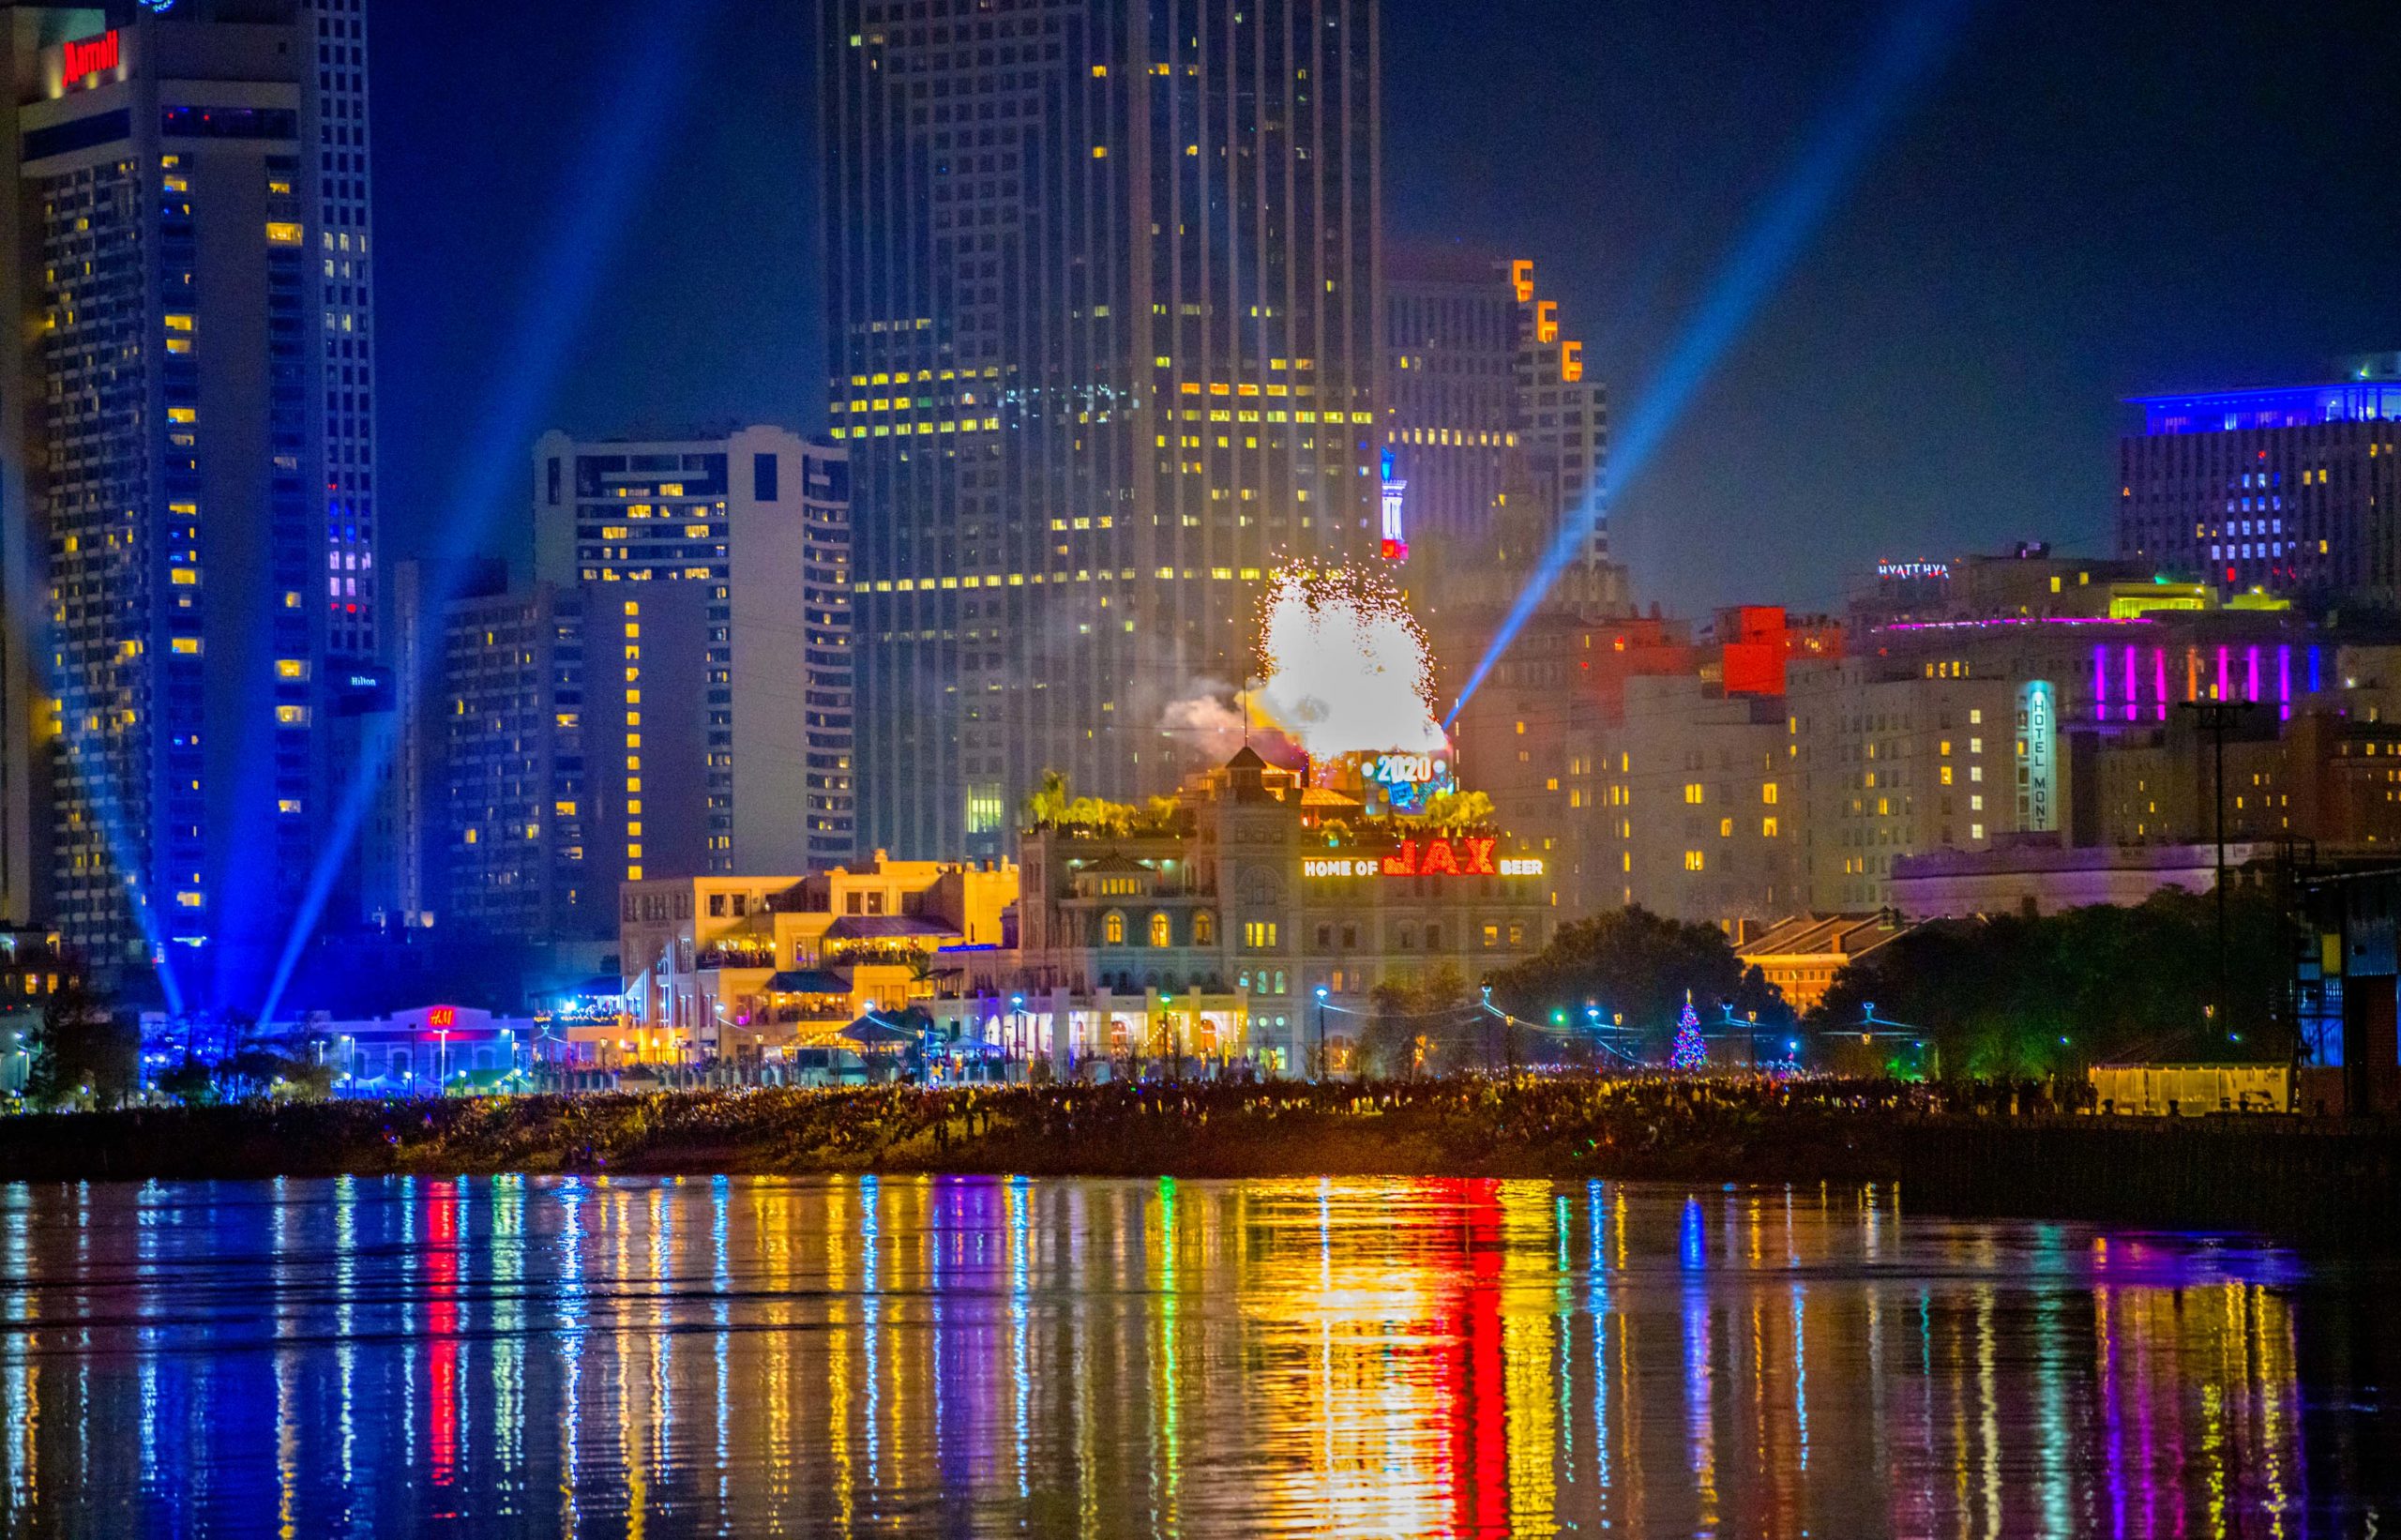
{"x":1207,"y":720}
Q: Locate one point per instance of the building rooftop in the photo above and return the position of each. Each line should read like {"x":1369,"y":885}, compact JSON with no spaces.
{"x":1845,"y":935}
{"x":2368,"y":396}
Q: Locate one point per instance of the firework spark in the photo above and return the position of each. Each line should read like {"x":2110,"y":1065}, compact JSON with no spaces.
{"x":1345,"y":665}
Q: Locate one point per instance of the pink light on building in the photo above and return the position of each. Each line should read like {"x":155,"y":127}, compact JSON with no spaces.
{"x":2159,"y":679}
{"x":2224,"y":680}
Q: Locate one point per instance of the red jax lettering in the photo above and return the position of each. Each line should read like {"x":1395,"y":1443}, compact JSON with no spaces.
{"x":1443,"y":858}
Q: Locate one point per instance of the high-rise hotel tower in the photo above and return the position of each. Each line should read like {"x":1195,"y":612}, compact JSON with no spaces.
{"x":2288,"y":489}
{"x":713,"y":581}
{"x":186,"y":472}
{"x":1105,"y":343}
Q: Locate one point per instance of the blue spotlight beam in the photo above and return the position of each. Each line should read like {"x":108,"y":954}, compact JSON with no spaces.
{"x":1918,"y":39}
{"x":627,"y":137}
{"x":26,"y":606}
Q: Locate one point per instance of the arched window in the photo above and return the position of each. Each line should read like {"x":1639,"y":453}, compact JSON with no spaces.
{"x":1162,"y":930}
{"x":1112,"y":928}
{"x":1204,"y":928}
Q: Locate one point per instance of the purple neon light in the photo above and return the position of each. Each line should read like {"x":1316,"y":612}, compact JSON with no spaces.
{"x":2132,"y":704}
{"x":2159,"y":679}
{"x":2251,"y":673}
{"x":2284,"y":683}
{"x":2017,"y":620}
{"x":2222,"y":676}
{"x":2100,"y":683}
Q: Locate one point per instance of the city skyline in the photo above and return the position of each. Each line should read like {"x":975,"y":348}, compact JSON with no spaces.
{"x":1981,"y":375}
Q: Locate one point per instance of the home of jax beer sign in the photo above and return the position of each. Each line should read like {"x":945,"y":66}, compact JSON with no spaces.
{"x":1444,"y":857}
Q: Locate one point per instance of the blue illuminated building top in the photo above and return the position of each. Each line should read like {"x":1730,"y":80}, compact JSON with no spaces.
{"x":2271,"y":406}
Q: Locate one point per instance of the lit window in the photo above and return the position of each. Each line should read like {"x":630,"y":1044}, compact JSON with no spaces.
{"x":1112,"y":928}
{"x":1694,"y":861}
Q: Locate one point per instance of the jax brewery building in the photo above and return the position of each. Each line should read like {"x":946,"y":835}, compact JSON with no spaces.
{"x":186,"y":476}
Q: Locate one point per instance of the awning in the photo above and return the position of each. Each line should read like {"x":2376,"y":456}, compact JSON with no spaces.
{"x":807,"y":981}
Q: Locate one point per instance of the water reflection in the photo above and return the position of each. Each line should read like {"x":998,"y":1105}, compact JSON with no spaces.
{"x":1089,"y":1358}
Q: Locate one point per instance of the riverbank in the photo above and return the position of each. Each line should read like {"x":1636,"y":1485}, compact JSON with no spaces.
{"x":2327,"y":1182}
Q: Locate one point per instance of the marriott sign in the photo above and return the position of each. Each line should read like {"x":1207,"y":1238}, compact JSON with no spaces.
{"x":87,"y":56}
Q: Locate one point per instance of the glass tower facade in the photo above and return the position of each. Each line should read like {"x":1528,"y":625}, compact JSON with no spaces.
{"x":1104,"y":329}
{"x":189,"y":253}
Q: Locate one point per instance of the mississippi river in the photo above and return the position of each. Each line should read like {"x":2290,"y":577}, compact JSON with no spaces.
{"x":759,"y":1356}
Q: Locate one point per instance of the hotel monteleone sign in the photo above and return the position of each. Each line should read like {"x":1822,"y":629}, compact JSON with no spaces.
{"x":2036,"y":710}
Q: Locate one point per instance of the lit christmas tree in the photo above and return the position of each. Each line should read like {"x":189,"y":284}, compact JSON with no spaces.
{"x":1689,"y":1053}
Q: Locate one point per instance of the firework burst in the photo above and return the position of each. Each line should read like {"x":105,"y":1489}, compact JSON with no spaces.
{"x":1345,"y":665}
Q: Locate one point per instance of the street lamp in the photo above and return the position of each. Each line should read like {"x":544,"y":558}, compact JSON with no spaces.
{"x":1318,"y":1068}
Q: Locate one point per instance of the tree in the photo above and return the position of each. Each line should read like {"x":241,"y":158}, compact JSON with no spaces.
{"x":1455,"y":810}
{"x":1054,"y":805}
{"x":1688,"y":1052}
{"x":1429,"y":1023}
{"x":1626,"y":962}
{"x":80,"y":1049}
{"x":189,"y":1083}
{"x":2014,"y":996}
{"x":1047,"y":804}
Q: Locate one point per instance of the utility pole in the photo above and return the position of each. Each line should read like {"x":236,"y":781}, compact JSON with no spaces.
{"x":2217,"y":719}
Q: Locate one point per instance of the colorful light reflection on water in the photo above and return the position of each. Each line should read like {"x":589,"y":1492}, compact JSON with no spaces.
{"x":1095,"y":1358}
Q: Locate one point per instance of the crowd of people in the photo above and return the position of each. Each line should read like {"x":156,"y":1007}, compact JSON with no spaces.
{"x":1469,"y":1121}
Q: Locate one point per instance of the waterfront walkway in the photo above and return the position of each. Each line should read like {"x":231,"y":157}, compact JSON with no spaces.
{"x":1968,"y":1148}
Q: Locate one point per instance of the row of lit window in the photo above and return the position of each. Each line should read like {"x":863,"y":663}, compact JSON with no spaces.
{"x":1019,"y":579}
{"x":1457,"y":438}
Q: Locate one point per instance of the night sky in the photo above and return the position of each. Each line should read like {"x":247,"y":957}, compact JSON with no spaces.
{"x":2088,"y":201}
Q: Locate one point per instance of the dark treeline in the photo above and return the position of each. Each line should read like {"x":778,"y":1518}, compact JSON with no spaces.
{"x":2001,"y":997}
{"x":2015,"y":996}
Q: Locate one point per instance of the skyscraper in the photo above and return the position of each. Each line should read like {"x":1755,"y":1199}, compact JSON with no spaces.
{"x":1103,"y":333}
{"x":1496,"y":426}
{"x":2288,"y":489}
{"x":715,"y":577}
{"x":522,"y":793}
{"x":188,"y":453}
